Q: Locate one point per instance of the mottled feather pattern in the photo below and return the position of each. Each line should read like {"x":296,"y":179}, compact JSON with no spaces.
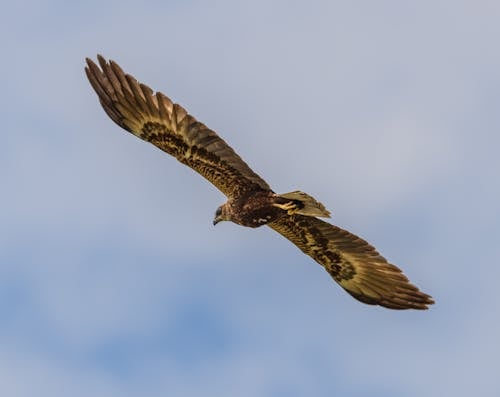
{"x":352,"y":262}
{"x":154,"y":118}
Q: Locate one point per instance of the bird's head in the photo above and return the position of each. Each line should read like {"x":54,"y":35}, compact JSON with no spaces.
{"x":221,"y":214}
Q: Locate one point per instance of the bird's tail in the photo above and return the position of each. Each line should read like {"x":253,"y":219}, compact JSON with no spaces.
{"x":301,"y":203}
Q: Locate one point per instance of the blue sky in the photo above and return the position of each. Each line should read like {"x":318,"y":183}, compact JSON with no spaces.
{"x":113,"y":281}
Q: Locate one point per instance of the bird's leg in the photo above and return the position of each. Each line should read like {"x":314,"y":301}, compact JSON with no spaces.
{"x":290,"y":207}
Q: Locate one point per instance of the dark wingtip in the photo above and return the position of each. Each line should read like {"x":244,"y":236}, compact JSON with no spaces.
{"x":417,"y":300}
{"x":100,"y":59}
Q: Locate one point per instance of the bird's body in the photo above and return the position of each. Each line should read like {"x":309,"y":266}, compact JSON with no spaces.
{"x":261,"y":207}
{"x":252,"y":209}
{"x":350,"y":260}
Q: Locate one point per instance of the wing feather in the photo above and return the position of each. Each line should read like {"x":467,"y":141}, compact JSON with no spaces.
{"x":352,"y":262}
{"x":154,"y":118}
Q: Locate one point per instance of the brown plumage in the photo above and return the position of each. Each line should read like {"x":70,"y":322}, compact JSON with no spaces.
{"x":350,"y":260}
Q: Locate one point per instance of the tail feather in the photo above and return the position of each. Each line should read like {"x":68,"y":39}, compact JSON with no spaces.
{"x":298,"y":202}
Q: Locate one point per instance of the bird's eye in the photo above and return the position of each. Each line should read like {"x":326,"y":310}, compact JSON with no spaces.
{"x":218,"y":212}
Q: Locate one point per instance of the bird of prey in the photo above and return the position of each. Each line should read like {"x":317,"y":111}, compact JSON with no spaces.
{"x":350,"y":260}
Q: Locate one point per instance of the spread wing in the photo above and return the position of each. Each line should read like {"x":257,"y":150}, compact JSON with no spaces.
{"x":154,"y":118}
{"x":352,"y":262}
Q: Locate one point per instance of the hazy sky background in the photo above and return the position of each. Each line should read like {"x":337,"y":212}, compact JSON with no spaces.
{"x":113,"y":281}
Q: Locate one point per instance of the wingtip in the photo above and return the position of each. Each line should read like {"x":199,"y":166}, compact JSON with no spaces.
{"x":420,"y":301}
{"x":100,"y":59}
{"x":88,"y":63}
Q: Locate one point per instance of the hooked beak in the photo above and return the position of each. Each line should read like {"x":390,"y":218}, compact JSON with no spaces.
{"x":216,"y":221}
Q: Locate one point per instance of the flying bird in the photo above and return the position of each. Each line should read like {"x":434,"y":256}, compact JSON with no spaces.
{"x":353,"y":263}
